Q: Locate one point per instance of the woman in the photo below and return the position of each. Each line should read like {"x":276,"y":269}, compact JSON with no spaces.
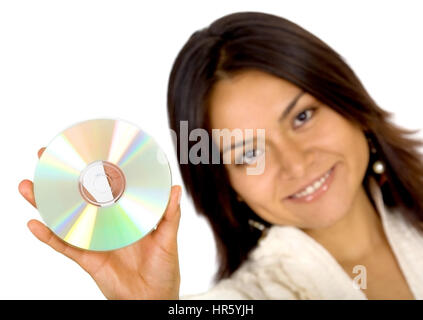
{"x":340,"y":196}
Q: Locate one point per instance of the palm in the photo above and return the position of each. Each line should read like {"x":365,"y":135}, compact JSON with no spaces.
{"x":143,"y":269}
{"x":147,"y":269}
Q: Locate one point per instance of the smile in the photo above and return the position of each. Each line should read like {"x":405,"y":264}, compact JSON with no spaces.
{"x":314,"y":189}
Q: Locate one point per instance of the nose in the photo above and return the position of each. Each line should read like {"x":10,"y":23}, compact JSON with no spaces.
{"x":294,"y":158}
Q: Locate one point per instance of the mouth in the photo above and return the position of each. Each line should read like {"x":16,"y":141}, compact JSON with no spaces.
{"x":315,"y":189}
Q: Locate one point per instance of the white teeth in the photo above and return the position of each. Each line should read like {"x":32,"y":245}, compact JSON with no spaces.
{"x":312,"y":188}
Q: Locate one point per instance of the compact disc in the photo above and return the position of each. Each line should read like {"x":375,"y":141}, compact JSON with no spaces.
{"x":102,"y":184}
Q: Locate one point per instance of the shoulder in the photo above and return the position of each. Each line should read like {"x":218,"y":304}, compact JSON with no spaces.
{"x":236,"y":288}
{"x":259,"y":277}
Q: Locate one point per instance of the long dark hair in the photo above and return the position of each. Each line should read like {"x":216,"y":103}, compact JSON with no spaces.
{"x":253,"y":40}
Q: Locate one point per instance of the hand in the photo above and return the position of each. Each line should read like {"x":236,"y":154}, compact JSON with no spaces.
{"x":147,"y":269}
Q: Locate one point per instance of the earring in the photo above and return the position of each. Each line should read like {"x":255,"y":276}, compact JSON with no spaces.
{"x":256,"y":224}
{"x":378,"y":166}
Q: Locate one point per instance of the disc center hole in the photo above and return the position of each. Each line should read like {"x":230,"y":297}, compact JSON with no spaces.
{"x":102,"y":183}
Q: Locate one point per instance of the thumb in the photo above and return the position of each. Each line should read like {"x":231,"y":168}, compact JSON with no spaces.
{"x":44,"y":234}
{"x":167,"y":228}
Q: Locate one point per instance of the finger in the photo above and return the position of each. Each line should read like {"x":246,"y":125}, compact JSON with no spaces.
{"x":44,"y":234}
{"x":40,"y":152}
{"x":169,"y":224}
{"x":173,"y":211}
{"x":26,"y":190}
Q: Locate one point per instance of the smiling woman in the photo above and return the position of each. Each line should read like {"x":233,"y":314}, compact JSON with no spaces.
{"x":342,"y":185}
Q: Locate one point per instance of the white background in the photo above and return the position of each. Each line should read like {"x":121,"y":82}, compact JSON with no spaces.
{"x":62,"y":62}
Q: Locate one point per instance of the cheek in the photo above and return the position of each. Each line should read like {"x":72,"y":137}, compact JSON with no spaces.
{"x":255,"y":188}
{"x":336,"y":131}
{"x":348,"y":143}
{"x":359,"y":155}
{"x":239,"y":180}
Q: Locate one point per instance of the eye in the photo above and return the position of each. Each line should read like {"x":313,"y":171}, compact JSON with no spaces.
{"x":250,"y":157}
{"x":303,"y":116}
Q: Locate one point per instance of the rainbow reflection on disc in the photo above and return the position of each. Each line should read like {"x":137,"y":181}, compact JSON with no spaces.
{"x":102,"y":184}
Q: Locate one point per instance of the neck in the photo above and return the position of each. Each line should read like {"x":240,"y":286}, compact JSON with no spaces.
{"x":355,"y":236}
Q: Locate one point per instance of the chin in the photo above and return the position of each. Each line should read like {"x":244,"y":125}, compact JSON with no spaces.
{"x":325,"y":220}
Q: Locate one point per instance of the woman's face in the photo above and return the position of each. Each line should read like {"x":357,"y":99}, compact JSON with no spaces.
{"x":298,"y":150}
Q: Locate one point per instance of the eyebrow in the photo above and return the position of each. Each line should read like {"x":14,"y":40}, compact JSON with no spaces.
{"x":285,"y":113}
{"x":290,"y":106}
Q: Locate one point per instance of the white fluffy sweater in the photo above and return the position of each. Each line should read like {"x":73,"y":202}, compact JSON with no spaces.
{"x":289,"y":264}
